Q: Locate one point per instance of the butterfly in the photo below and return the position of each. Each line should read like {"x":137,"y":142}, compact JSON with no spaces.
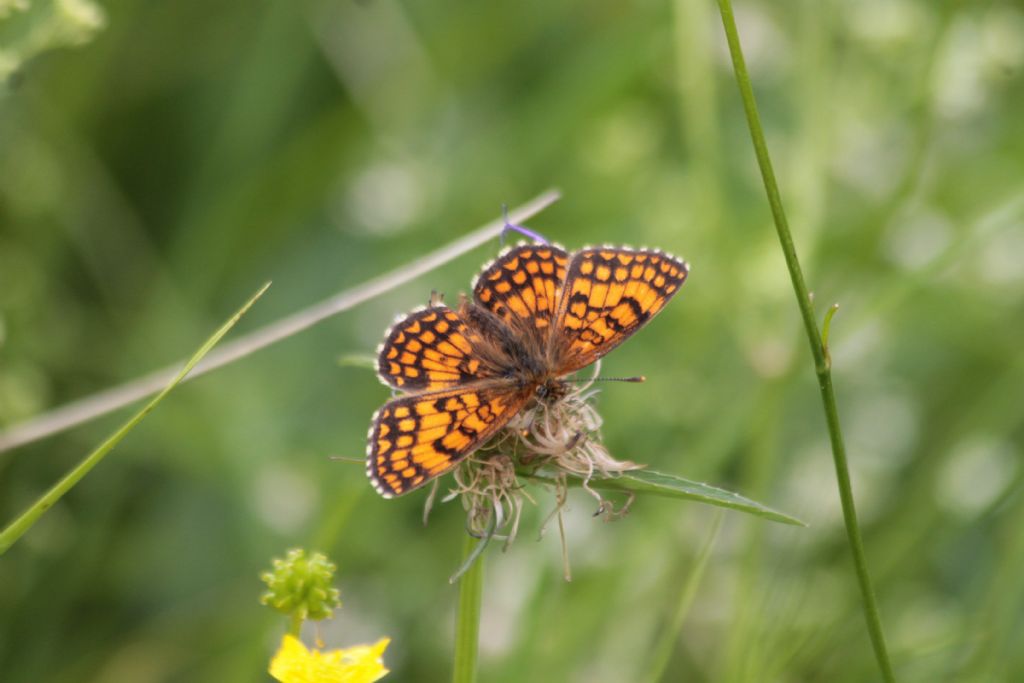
{"x":537,"y":314}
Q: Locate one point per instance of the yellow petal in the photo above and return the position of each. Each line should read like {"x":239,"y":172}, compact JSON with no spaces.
{"x":294,"y":663}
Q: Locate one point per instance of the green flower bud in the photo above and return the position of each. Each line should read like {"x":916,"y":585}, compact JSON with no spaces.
{"x":300,"y":586}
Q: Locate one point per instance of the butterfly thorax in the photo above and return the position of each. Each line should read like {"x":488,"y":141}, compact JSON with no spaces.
{"x":509,"y":354}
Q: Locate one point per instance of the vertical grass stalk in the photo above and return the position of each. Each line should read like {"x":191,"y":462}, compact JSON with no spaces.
{"x":822,"y":364}
{"x":467,"y":628}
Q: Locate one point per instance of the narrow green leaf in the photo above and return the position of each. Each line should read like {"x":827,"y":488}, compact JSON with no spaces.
{"x":358,"y":360}
{"x":475,"y":554}
{"x":24,"y":522}
{"x":671,"y":486}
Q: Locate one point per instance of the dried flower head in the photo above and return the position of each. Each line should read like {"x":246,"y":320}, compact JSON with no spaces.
{"x":560,"y":437}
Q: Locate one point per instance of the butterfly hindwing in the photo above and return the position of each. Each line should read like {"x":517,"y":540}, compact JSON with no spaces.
{"x":609,"y":294}
{"x":418,"y":437}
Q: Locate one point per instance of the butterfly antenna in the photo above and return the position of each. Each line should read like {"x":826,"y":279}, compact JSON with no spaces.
{"x":521,"y":229}
{"x":637,"y":379}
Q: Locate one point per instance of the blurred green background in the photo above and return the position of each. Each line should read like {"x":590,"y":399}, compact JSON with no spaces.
{"x":153,"y":177}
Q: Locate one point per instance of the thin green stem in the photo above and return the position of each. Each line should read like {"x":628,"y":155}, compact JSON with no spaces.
{"x":467,"y":629}
{"x":818,"y":352}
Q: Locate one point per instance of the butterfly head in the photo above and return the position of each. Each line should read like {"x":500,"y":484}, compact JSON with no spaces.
{"x":552,"y":391}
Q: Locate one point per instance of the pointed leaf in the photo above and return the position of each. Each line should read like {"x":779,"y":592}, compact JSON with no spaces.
{"x":670,"y":486}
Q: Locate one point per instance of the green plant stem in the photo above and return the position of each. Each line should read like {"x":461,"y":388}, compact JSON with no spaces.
{"x":24,"y":522}
{"x":822,"y":366}
{"x":467,"y":629}
{"x":295,"y":625}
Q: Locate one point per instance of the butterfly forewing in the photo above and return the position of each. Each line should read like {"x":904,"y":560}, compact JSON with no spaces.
{"x":523,"y":287}
{"x":418,"y":437}
{"x":429,"y":349}
{"x":609,"y":294}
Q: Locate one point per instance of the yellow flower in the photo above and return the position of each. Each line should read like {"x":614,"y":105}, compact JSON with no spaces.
{"x":293,"y":663}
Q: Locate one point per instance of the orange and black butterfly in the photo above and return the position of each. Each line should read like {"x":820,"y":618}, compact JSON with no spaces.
{"x":537,"y":314}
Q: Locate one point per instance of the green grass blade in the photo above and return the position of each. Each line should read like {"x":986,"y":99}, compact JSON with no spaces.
{"x":671,"y":486}
{"x":24,"y":522}
{"x":662,"y":652}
